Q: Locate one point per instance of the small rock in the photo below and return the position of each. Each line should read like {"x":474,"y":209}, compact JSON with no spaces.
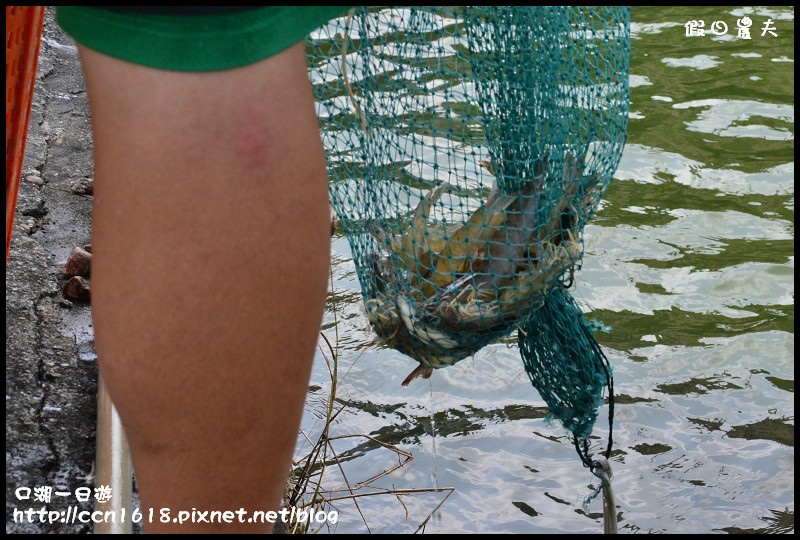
{"x":77,"y":289}
{"x":65,"y":303}
{"x":25,"y":225}
{"x":35,"y":180}
{"x":82,"y":186}
{"x":79,"y":263}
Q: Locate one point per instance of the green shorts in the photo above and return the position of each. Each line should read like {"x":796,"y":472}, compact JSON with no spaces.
{"x":193,"y":42}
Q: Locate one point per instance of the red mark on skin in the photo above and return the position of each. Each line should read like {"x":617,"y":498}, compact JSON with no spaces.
{"x":251,"y":142}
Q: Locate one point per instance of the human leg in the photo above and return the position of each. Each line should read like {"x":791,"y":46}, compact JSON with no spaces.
{"x":210,"y":259}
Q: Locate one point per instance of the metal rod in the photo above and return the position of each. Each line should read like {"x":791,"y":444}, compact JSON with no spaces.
{"x":112,"y":467}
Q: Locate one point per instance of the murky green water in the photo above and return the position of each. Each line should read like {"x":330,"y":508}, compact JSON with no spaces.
{"x":689,"y":262}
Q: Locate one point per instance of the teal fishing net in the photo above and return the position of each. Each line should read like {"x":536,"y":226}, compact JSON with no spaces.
{"x":467,"y":148}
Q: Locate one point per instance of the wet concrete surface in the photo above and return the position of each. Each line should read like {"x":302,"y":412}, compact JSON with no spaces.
{"x":51,"y":373}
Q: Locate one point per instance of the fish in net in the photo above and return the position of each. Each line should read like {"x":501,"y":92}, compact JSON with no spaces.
{"x":467,"y":149}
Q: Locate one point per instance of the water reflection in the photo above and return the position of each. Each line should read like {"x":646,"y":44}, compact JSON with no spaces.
{"x":689,"y":262}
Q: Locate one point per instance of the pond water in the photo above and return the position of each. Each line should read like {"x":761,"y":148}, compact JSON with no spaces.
{"x":689,"y":263}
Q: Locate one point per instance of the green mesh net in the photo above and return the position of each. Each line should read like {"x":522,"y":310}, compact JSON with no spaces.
{"x":467,"y":149}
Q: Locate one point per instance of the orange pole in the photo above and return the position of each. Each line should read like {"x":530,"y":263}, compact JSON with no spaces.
{"x":23,"y":32}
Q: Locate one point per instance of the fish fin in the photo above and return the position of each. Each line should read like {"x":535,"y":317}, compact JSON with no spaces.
{"x":421,"y":371}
